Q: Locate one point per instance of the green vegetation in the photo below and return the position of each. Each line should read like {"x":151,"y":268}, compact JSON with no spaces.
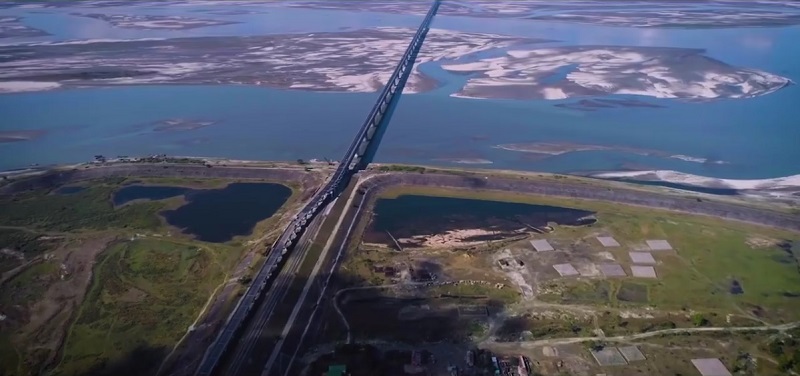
{"x":402,"y":168}
{"x":143,"y":293}
{"x":29,"y":286}
{"x":506,"y":295}
{"x":786,"y":350}
{"x":23,"y":246}
{"x":88,"y":209}
{"x":710,"y":253}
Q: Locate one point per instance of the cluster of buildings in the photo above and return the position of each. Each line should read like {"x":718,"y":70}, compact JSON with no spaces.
{"x":483,"y":362}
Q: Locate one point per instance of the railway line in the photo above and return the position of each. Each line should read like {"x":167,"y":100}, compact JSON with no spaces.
{"x":271,"y":284}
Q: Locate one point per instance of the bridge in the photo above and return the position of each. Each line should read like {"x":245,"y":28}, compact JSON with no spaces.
{"x":359,"y":154}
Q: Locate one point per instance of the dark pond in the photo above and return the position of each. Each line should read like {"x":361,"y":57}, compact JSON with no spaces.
{"x":214,"y":215}
{"x":411,"y":215}
{"x":736,"y":288}
{"x":147,"y":192}
{"x":218,"y":215}
{"x":70,"y":190}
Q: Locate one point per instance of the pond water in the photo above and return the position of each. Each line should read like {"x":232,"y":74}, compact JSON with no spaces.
{"x":411,"y":215}
{"x":218,"y":215}
{"x":214,"y":215}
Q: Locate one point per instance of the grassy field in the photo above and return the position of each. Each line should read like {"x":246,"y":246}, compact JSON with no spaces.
{"x":144,"y":293}
{"x":26,"y":244}
{"x":88,"y":209}
{"x":710,"y":253}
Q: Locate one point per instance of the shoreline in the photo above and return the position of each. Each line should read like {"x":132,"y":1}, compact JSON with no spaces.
{"x":789,"y":181}
{"x":782,"y":193}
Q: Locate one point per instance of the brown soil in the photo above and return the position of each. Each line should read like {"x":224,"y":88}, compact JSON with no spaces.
{"x":50,"y":316}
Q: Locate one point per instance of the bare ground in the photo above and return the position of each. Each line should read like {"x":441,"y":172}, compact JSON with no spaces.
{"x":49,"y":317}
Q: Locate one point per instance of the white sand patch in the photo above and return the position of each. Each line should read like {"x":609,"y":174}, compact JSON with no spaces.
{"x":24,"y":86}
{"x":703,"y":181}
{"x":646,"y":71}
{"x":554,"y":93}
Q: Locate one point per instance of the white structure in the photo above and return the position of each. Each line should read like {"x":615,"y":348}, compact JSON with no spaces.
{"x":710,"y":367}
{"x":612,"y":270}
{"x":640,"y":271}
{"x":608,"y":241}
{"x":659,"y":245}
{"x":541,"y":245}
{"x":566,"y":270}
{"x":642,"y":258}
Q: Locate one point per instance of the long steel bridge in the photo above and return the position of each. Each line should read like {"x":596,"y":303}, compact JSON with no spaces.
{"x":360,"y":153}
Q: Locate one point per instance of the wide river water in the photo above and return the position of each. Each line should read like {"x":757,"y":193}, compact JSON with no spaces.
{"x":757,"y":138}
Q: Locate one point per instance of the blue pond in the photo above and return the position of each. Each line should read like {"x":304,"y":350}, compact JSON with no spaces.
{"x":214,"y":215}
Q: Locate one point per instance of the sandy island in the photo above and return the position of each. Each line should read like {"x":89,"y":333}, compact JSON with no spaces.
{"x":547,"y":149}
{"x":180,"y":125}
{"x":565,"y":72}
{"x":12,"y":27}
{"x":19,"y":136}
{"x":353,"y":61}
{"x":683,"y":14}
{"x":150,"y":22}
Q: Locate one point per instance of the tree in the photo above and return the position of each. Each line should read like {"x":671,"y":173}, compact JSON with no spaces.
{"x":699,"y":320}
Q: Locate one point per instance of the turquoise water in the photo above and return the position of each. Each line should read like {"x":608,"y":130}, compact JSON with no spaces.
{"x":758,"y":137}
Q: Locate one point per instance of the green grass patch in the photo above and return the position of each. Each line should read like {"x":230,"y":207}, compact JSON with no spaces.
{"x":506,"y":295}
{"x":9,"y":357}
{"x":632,"y":292}
{"x":27,"y":243}
{"x":144,"y":293}
{"x":595,"y":292}
{"x":710,"y":253}
{"x":88,"y":209}
{"x":30,"y":285}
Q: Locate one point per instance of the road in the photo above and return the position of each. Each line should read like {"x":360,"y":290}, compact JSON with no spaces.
{"x":634,"y":337}
{"x":256,"y":336}
{"x":256,"y":306}
{"x":307,"y":309}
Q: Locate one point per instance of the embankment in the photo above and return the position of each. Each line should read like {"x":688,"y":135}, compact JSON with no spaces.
{"x":582,"y":190}
{"x":56,"y":178}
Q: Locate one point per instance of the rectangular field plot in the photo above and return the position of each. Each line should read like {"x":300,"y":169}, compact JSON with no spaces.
{"x":612,"y":270}
{"x":609,"y":356}
{"x":608,"y":241}
{"x":642,"y":258}
{"x":566,"y":270}
{"x":541,"y":245}
{"x":710,"y":367}
{"x":639,"y":271}
{"x":632,"y":354}
{"x":659,"y":245}
{"x":473,"y":311}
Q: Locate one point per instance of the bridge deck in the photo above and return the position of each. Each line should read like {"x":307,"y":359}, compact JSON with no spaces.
{"x":357,"y":157}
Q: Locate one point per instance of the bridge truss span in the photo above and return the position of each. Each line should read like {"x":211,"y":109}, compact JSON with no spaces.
{"x":359,"y":154}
